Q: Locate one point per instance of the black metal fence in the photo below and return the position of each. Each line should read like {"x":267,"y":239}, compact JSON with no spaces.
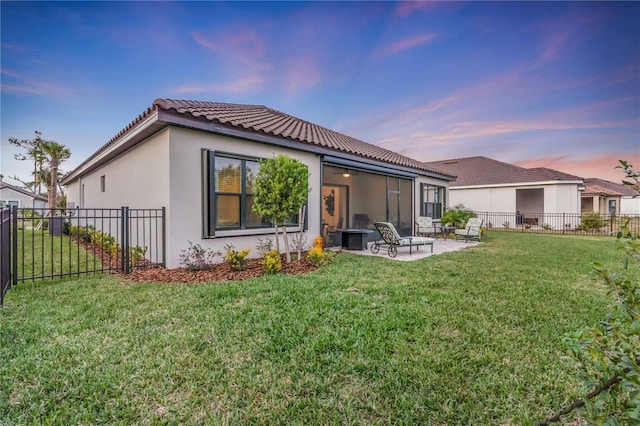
{"x":559,"y":223}
{"x":44,"y":243}
{"x":6,"y":247}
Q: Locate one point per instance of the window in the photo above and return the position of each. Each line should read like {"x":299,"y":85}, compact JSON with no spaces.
{"x":228,"y":193}
{"x":612,"y":207}
{"x":102,"y":183}
{"x":13,"y":203}
{"x":432,"y":200}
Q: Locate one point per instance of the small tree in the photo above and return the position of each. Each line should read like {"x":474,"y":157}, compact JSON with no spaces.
{"x":279,"y":190}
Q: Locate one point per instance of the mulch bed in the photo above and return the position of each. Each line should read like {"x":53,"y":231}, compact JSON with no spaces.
{"x":219,"y":272}
{"x":144,"y":272}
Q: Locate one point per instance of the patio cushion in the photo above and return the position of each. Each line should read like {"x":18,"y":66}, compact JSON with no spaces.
{"x":471,"y":230}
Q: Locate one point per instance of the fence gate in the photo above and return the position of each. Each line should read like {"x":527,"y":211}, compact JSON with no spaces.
{"x":44,"y":243}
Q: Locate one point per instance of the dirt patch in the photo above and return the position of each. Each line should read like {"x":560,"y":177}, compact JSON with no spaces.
{"x":220,"y":272}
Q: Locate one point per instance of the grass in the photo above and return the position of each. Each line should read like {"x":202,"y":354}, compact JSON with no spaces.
{"x":41,"y":254}
{"x":470,"y":337}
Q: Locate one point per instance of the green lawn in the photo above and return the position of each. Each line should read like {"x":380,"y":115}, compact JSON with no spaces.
{"x":470,"y":337}
{"x":42,"y":254}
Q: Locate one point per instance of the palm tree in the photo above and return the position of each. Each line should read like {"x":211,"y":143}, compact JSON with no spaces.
{"x":54,"y":155}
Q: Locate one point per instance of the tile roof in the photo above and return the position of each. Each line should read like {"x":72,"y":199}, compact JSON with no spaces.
{"x":260,"y":119}
{"x":622,"y":190}
{"x":591,"y":190}
{"x":478,"y":171}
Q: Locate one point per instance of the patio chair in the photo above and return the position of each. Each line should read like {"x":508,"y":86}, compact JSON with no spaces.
{"x":389,"y":237}
{"x":360,"y":220}
{"x":425,"y":226}
{"x":471,"y":230}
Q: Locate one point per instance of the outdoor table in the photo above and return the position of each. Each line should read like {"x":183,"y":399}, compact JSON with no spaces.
{"x":446,"y":230}
{"x":355,"y":239}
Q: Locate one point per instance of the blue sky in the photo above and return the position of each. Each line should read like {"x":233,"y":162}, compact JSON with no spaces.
{"x":553,"y":84}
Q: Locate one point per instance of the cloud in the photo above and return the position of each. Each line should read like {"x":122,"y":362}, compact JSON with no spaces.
{"x":406,"y":8}
{"x":243,"y":46}
{"x":20,"y":84}
{"x":603,"y":165}
{"x":404,"y":44}
{"x":301,"y":73}
{"x":628,"y":73}
{"x":252,"y":83}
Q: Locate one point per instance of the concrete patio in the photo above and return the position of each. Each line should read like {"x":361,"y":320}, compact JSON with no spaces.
{"x":439,"y":246}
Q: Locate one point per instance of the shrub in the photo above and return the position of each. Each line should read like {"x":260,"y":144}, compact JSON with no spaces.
{"x":197,"y":258}
{"x":506,"y":225}
{"x":237,"y":260}
{"x":81,"y":232}
{"x":264,"y":246}
{"x":137,"y":254}
{"x":272,"y":262}
{"x":317,"y":256}
{"x":591,"y":220}
{"x":318,"y":243}
{"x":547,"y":227}
{"x":458,"y":216}
{"x":299,"y":242}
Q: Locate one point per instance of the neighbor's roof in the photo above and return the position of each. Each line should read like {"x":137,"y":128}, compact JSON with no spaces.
{"x":24,"y":191}
{"x":609,"y":188}
{"x":482,"y":171}
{"x":260,"y":120}
{"x":591,"y":190}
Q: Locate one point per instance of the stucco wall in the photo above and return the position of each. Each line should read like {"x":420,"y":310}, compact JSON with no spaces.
{"x":137,"y":179}
{"x":185,"y":208}
{"x":557,"y":198}
{"x":630,"y":205}
{"x":561,"y":199}
{"x":24,"y":201}
{"x":485,"y":199}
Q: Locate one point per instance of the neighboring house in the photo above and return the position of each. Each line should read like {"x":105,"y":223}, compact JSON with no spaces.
{"x":198,"y":160}
{"x":607,"y":197}
{"x":488,"y":185}
{"x":11,"y":195}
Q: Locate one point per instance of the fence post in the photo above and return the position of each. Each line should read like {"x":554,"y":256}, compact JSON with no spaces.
{"x":124,"y":240}
{"x":13,"y":229}
{"x":164,"y":237}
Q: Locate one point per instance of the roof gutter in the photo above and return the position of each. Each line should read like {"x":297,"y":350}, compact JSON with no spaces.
{"x":511,"y":185}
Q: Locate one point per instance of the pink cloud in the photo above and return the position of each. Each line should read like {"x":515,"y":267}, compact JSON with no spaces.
{"x":602,"y":166}
{"x":25,"y":85}
{"x":406,"y":8}
{"x":404,"y":44}
{"x":301,"y":73}
{"x":250,"y":83}
{"x":631,"y":72}
{"x":243,"y":46}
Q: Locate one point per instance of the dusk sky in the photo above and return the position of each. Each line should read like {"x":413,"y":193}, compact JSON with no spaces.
{"x":551,"y":84}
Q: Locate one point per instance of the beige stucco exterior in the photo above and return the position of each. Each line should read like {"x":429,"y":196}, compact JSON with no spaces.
{"x":165,"y":171}
{"x":9,"y":196}
{"x":558,"y":198}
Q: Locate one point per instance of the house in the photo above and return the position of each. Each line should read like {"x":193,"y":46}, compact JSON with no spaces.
{"x":198,"y":160}
{"x":11,"y":195}
{"x":605,"y":197}
{"x":487,"y":185}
